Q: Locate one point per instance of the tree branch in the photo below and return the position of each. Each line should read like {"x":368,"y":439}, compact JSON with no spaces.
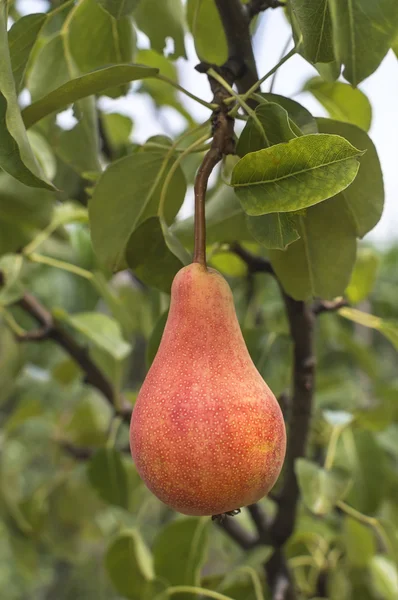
{"x":301,"y":323}
{"x":243,"y":538}
{"x":255,"y":264}
{"x":50,"y":329}
{"x":254,"y":7}
{"x":321,"y":306}
{"x":236,"y":23}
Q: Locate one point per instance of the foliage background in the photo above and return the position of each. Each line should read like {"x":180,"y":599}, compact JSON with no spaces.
{"x":76,"y":521}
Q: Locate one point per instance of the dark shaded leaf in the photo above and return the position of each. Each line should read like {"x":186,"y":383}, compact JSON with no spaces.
{"x":169,"y":23}
{"x":155,"y":255}
{"x":315,"y":23}
{"x":207,"y":30}
{"x":108,"y":476}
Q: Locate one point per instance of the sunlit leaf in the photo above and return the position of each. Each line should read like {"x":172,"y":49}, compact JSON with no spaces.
{"x":293,"y":176}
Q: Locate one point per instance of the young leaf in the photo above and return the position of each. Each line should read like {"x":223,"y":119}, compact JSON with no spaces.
{"x":130,"y":566}
{"x":108,"y":476}
{"x":275,"y":231}
{"x":96,"y":82}
{"x":384,"y":577}
{"x":297,"y":113}
{"x":315,"y":23}
{"x":207,"y":30}
{"x":11,"y":288}
{"x":21,"y":39}
{"x":363,"y":33}
{"x":169,"y":23}
{"x":321,"y":489}
{"x":102,"y":331}
{"x":16,"y":157}
{"x":321,"y":261}
{"x":155,"y":263}
{"x":365,"y":196}
{"x":343,"y":102}
{"x":277,"y":127}
{"x":388,"y":327}
{"x":363,"y":276}
{"x":286,"y":177}
{"x":134,"y":183}
{"x":180,"y":550}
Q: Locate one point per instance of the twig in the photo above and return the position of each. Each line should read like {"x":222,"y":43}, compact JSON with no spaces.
{"x":321,"y":306}
{"x":255,"y":264}
{"x":243,"y":538}
{"x":301,"y":323}
{"x":50,"y":329}
{"x":254,"y":7}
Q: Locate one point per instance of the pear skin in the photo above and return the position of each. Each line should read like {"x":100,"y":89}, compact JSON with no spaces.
{"x":207,"y":434}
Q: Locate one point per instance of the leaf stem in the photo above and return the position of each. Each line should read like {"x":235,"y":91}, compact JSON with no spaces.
{"x":190,"y":589}
{"x":331,"y":451}
{"x":239,"y":98}
{"x":255,"y":87}
{"x":178,"y":87}
{"x":285,"y":47}
{"x":60,"y":264}
{"x":371,"y":521}
{"x":173,"y":169}
{"x":11,"y":322}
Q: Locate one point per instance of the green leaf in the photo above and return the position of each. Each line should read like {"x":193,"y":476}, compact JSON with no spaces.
{"x":11,"y":288}
{"x":388,"y":327}
{"x":169,"y":23}
{"x":343,"y":102}
{"x":89,"y":424}
{"x":156,"y":336}
{"x":107,"y":474}
{"x":180,"y":551}
{"x":117,"y":129}
{"x":134,"y":183}
{"x":129,"y":565}
{"x":21,"y":39}
{"x":102,"y":331}
{"x":320,"y":263}
{"x":96,"y":40}
{"x":298,"y":114}
{"x":359,"y":543}
{"x":16,"y":157}
{"x":321,"y":489}
{"x":293,"y":176}
{"x":275,"y":231}
{"x":119,"y":8}
{"x":43,"y":154}
{"x":225,"y":220}
{"x":207,"y":30}
{"x":363,"y":33}
{"x":384,"y":575}
{"x":24,"y":211}
{"x":363,"y":277}
{"x":365,"y":196}
{"x":277,"y":127}
{"x":85,"y":85}
{"x":155,"y":255}
{"x":315,"y":23}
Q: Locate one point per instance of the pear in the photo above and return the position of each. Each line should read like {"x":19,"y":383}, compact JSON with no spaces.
{"x":207,"y":434}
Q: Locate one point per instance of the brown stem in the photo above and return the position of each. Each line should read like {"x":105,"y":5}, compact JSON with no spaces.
{"x":210,"y":160}
{"x":301,"y":323}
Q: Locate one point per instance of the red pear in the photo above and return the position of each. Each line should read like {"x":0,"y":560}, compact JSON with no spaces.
{"x":207,"y":434}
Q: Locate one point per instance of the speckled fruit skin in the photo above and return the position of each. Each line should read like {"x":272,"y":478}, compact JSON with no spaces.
{"x":207,"y":434}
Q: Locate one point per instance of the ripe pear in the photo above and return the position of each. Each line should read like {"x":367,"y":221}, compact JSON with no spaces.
{"x":207,"y":434}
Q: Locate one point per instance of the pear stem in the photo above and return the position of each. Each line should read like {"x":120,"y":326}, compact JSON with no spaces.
{"x":210,"y":160}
